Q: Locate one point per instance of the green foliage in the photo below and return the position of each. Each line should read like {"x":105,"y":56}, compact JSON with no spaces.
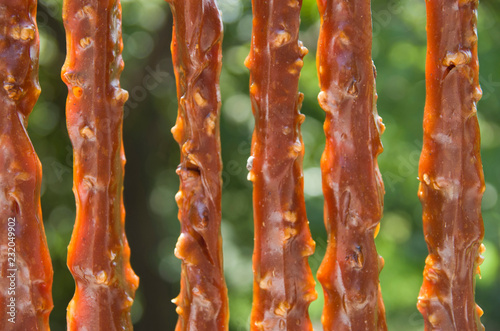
{"x":399,"y":46}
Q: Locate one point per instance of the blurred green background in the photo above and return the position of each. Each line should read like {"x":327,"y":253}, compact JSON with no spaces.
{"x":150,"y":183}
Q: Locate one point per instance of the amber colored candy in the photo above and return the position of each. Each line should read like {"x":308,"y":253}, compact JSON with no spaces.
{"x":197,"y":54}
{"x":98,"y":254}
{"x":283,"y":282}
{"x":25,"y":266}
{"x":352,"y":184}
{"x":450,"y":170}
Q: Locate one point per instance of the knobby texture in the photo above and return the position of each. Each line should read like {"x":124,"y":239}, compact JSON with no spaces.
{"x":450,"y":171}
{"x":25,"y":266}
{"x":197,"y":54}
{"x":283,"y":282}
{"x":98,"y":254}
{"x":352,"y":184}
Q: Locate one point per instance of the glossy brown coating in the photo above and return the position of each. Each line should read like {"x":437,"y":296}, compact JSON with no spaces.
{"x":26,"y":256}
{"x":352,"y":184}
{"x":283,"y":282}
{"x":450,"y":171}
{"x":98,"y":254}
{"x":197,"y":54}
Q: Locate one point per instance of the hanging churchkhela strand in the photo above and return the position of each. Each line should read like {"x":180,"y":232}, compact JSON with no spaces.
{"x":450,"y":170}
{"x":26,"y":269}
{"x":197,"y":54}
{"x":352,"y":184}
{"x":283,"y":282}
{"x":98,"y":254}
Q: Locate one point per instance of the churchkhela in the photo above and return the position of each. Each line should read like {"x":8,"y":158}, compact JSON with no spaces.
{"x":283,"y":283}
{"x":25,"y":265}
{"x":98,"y":254}
{"x":352,"y":184}
{"x":197,"y":57}
{"x":450,"y":170}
